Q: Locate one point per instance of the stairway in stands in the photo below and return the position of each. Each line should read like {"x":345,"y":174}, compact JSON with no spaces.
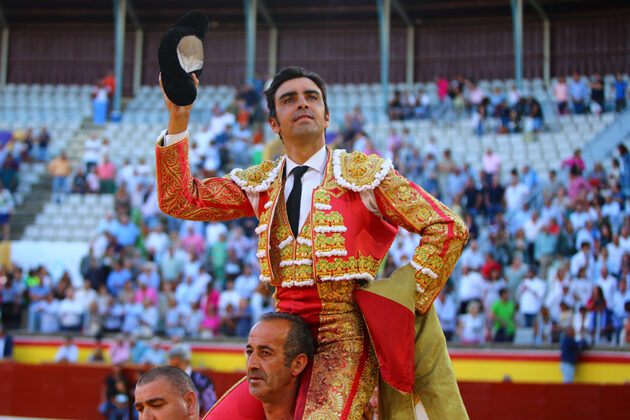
{"x":34,"y":190}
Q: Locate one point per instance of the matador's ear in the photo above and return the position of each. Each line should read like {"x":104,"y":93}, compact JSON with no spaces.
{"x":180,"y":54}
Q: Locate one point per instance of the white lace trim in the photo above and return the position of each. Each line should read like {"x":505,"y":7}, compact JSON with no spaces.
{"x":329,"y":229}
{"x":304,"y":241}
{"x":268,"y":204}
{"x":260,"y":229}
{"x":423,"y":270}
{"x":297,"y":283}
{"x":385,"y":167}
{"x":285,"y":242}
{"x":264,"y":279}
{"x":334,"y":252}
{"x":295,"y":262}
{"x":263,"y":186}
{"x":261,"y":254}
{"x":322,"y":206}
{"x":365,"y":276}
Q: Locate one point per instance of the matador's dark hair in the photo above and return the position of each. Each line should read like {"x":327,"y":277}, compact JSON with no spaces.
{"x":289,"y":73}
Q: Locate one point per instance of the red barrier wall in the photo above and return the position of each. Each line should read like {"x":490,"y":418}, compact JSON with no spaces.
{"x":74,"y":392}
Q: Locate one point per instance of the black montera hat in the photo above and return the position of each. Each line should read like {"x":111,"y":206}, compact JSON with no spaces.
{"x":180,"y":54}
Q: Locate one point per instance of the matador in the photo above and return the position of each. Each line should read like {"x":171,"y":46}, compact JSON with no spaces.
{"x":321,"y":249}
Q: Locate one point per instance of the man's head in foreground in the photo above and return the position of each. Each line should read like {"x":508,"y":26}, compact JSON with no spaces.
{"x":279,"y":348}
{"x":166,"y":393}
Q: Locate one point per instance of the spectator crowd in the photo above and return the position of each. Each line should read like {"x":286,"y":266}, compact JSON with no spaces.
{"x":541,"y":269}
{"x":505,"y":109}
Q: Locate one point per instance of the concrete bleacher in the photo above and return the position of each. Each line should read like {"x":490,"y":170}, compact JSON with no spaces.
{"x":74,"y":220}
{"x":45,"y":104}
{"x":147,"y":107}
{"x":545,"y":152}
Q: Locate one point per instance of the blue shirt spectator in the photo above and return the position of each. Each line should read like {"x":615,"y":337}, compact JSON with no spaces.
{"x":126,"y":233}
{"x":117,"y":278}
{"x":578,"y":91}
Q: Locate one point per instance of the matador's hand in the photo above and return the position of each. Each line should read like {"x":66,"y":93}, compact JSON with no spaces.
{"x":179,"y":115}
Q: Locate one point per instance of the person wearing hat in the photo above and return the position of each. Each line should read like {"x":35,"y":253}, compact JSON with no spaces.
{"x":180,"y":356}
{"x":326,"y":222}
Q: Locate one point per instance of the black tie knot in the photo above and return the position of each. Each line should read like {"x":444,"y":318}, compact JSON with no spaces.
{"x":298,"y":171}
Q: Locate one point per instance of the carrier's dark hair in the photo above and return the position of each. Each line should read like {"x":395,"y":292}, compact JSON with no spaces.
{"x":179,"y":379}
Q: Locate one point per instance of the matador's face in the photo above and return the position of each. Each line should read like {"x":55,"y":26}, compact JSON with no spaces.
{"x":300,"y":111}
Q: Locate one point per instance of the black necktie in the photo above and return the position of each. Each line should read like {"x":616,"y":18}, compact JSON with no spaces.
{"x":293,"y":203}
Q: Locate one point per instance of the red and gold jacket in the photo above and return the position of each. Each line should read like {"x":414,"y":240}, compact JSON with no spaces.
{"x":342,"y":240}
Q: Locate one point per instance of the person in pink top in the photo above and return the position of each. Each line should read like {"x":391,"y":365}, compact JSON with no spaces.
{"x":442,"y":87}
{"x":577,"y":185}
{"x":193,"y":240}
{"x":106,"y":172}
{"x":491,"y":163}
{"x":575,"y":160}
{"x":144,"y":291}
{"x":120,"y":350}
{"x":209,"y":304}
{"x":561,"y":95}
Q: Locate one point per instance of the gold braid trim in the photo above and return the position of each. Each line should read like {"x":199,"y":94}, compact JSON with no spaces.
{"x":257,"y":178}
{"x":357,"y":171}
{"x":444,"y":234}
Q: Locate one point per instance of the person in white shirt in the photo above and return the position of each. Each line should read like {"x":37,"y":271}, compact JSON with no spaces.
{"x":608,"y":284}
{"x":471,"y":287}
{"x":154,"y":354}
{"x":148,"y":319}
{"x":228,"y":297}
{"x":131,"y":316}
{"x":579,"y":217}
{"x":67,"y":352}
{"x":624,"y":239}
{"x":174,"y":319}
{"x":472,"y":256}
{"x":92,"y":151}
{"x":186,"y":293}
{"x":86,"y":295}
{"x":550,"y":211}
{"x":615,"y":255}
{"x":531,"y":293}
{"x":580,"y":325}
{"x":447,"y":313}
{"x":246,"y":283}
{"x":70,"y":312}
{"x":157,"y":241}
{"x":581,"y":287}
{"x":214,"y":230}
{"x":612,"y":210}
{"x":618,"y":303}
{"x":220,"y":120}
{"x":582,"y":259}
{"x":49,"y":314}
{"x":472,"y":325}
{"x":144,"y":172}
{"x":200,"y":284}
{"x":515,"y":193}
{"x":554,"y":301}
